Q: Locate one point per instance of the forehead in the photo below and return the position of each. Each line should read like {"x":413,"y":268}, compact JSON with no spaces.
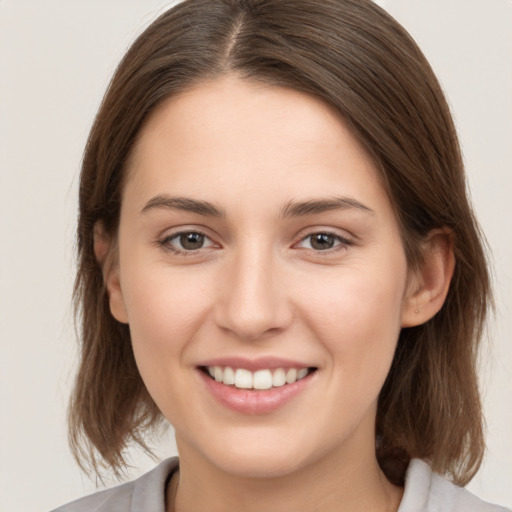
{"x":233,"y":132}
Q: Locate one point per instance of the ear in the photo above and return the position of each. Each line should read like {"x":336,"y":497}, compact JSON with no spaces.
{"x":105,"y":250}
{"x":429,"y":284}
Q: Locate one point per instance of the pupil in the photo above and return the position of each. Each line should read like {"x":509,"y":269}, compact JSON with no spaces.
{"x":322,"y":241}
{"x":192,"y":241}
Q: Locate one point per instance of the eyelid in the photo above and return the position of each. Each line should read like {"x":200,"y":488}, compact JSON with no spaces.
{"x":164,"y":241}
{"x":343,"y":241}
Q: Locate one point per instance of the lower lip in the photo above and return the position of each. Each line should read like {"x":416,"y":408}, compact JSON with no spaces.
{"x":253,"y":402}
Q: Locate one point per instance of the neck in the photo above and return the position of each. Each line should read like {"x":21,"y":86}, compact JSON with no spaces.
{"x":331,"y":484}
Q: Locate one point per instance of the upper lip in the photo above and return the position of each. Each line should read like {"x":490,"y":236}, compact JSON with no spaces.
{"x":261,"y":363}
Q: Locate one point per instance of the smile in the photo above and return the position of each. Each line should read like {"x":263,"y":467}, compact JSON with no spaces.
{"x":256,"y":387}
{"x":242,"y":378}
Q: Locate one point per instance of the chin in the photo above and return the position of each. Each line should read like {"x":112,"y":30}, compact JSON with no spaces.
{"x":260,"y":465}
{"x":256,"y":455}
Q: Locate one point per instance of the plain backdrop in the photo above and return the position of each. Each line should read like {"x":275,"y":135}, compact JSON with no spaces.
{"x":56,"y":58}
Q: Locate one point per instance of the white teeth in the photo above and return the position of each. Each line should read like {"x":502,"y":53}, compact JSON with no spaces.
{"x":243,"y":379}
{"x":229,"y":376}
{"x":302,"y":373}
{"x":279,"y":378}
{"x":261,"y":379}
{"x":291,"y":376}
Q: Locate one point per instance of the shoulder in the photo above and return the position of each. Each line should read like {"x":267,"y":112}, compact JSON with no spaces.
{"x":426,"y":491}
{"x":144,"y":493}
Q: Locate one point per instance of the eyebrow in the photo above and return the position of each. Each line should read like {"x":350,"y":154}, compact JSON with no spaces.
{"x":291,"y":209}
{"x":316,"y":206}
{"x":184,"y":204}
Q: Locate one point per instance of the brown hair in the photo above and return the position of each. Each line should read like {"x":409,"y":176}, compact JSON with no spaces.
{"x":357,"y":59}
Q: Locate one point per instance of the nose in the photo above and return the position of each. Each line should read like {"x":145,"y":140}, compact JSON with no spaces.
{"x":253,"y":303}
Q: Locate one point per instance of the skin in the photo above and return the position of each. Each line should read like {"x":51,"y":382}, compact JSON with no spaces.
{"x":259,"y":288}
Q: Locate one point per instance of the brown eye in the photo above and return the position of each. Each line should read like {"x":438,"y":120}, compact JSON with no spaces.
{"x":186,"y":242}
{"x":191,"y":241}
{"x":322,"y":241}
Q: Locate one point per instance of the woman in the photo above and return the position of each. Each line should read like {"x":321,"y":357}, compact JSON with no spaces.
{"x":277,"y":256}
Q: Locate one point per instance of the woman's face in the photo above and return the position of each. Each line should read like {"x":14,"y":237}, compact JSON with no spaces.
{"x":257,"y":243}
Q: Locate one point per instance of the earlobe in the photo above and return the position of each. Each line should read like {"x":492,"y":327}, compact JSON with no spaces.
{"x":105,"y":250}
{"x":430,"y":283}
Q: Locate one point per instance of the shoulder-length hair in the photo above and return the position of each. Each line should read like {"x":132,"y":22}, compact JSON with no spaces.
{"x":358,"y":60}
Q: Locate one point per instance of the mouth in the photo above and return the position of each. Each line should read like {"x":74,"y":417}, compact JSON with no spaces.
{"x":259,"y":380}
{"x":256,"y":386}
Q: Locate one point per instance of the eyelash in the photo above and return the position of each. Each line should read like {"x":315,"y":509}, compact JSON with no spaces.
{"x":166,"y":242}
{"x":342,"y":244}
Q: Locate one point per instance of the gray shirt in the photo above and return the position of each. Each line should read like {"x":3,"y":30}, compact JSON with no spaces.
{"x":425,"y":491}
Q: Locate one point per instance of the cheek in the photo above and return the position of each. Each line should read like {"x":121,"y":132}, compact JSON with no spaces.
{"x":165,"y":310}
{"x":357,"y":316}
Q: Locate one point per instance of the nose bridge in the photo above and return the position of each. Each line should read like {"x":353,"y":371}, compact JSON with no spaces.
{"x":253,"y":302}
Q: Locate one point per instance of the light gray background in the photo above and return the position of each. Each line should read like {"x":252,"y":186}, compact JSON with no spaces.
{"x":56,"y":58}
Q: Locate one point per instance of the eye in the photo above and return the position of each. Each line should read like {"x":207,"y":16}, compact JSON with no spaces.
{"x":323,"y":241}
{"x":187,"y":241}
